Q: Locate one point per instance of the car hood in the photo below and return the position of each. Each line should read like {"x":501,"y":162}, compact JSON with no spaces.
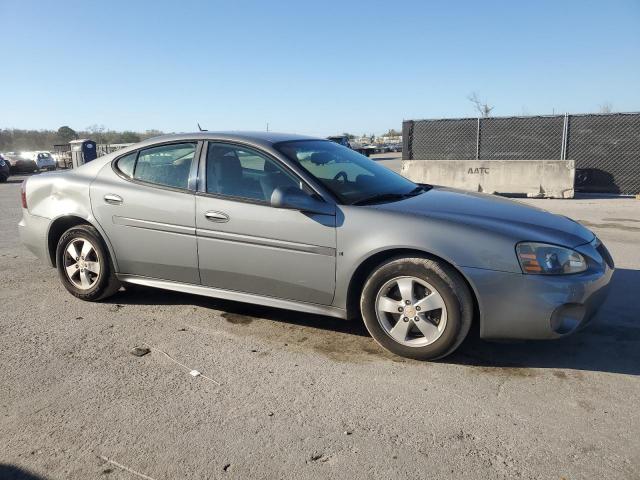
{"x":514,"y":219}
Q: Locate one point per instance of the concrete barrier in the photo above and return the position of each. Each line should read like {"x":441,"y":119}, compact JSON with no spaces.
{"x":533,"y":178}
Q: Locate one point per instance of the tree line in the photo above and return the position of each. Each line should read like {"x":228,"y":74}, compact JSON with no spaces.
{"x":16,"y":140}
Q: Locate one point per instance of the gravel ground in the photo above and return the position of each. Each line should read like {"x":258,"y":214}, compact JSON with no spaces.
{"x":290,"y":395}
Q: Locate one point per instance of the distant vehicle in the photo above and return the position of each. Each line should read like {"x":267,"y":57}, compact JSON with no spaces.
{"x":45,"y":161}
{"x":5,"y":171}
{"x":344,"y":141}
{"x":340,"y":140}
{"x":395,"y":147}
{"x":369,"y":150}
{"x":20,"y":163}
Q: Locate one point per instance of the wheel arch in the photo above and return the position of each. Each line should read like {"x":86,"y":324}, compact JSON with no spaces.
{"x":364,"y":269}
{"x":63,"y":223}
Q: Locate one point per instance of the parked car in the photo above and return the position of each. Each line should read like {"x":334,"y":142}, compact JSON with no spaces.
{"x":306,"y":224}
{"x":345,"y":142}
{"x":45,"y":160}
{"x":5,"y":170}
{"x":369,"y":150}
{"x":19,"y":162}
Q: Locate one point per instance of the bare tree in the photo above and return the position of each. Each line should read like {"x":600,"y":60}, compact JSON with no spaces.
{"x":481,"y":107}
{"x":97,"y":132}
{"x":606,"y":107}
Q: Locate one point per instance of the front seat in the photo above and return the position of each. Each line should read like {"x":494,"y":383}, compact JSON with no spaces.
{"x":272,"y":179}
{"x":224,"y":172}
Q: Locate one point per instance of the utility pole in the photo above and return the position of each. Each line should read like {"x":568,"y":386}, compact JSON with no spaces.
{"x":267,"y":126}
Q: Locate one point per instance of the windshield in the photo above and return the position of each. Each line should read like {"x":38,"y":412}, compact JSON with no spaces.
{"x":351,"y":177}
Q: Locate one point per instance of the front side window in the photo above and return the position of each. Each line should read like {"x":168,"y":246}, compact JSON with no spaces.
{"x":167,"y":165}
{"x":244,"y":173}
{"x":351,"y":177}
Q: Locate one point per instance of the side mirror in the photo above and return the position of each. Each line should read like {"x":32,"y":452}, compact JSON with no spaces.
{"x":296,"y":199}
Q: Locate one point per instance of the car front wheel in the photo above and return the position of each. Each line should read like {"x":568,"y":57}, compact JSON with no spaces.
{"x":84,"y":266}
{"x":417,"y":307}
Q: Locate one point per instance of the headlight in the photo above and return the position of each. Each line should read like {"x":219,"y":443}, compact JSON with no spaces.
{"x":1,"y":162}
{"x":545,"y":259}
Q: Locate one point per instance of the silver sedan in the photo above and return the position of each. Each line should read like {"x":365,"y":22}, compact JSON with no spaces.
{"x":306,"y":224}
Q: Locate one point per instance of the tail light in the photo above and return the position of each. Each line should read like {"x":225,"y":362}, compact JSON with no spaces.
{"x":23,"y":194}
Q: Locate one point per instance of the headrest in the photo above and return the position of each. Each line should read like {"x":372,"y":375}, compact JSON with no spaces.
{"x":321,"y":158}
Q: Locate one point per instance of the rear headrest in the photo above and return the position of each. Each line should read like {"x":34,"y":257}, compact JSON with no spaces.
{"x":320,"y":158}
{"x":217,"y":153}
{"x":269,"y":167}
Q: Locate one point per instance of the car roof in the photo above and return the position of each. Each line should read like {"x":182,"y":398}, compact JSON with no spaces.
{"x":264,"y":138}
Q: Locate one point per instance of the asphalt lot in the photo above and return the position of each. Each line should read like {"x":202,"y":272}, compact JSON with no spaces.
{"x":302,"y":396}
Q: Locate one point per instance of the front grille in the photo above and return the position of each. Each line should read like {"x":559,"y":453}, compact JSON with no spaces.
{"x":604,"y":253}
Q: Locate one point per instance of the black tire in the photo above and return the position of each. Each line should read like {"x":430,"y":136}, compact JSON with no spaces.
{"x":106,"y":283}
{"x":451,"y":287}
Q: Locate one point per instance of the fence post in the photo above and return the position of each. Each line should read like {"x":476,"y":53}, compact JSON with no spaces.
{"x":407,"y":139}
{"x":478,"y":140}
{"x":565,"y":130}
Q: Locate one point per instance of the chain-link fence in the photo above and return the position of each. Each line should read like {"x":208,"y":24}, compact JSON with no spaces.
{"x":607,"y":152}
{"x":605,"y":147}
{"x":63,"y":152}
{"x":107,"y":148}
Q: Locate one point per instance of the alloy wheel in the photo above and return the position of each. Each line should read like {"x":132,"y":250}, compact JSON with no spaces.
{"x":411,"y":311}
{"x":81,"y":263}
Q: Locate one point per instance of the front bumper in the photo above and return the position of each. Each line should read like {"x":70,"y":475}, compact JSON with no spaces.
{"x":33,"y":234}
{"x":519,"y":306}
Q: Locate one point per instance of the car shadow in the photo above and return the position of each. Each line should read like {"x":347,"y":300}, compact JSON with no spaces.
{"x":11,"y":472}
{"x":139,"y":295}
{"x":611,"y":343}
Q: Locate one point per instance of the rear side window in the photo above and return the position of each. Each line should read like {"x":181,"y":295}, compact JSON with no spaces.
{"x":127,"y":163}
{"x":167,"y":165}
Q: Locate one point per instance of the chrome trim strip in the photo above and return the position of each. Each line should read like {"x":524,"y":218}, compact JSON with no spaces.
{"x":225,"y":236}
{"x":149,"y":225}
{"x":236,"y":296}
{"x":265,"y":242}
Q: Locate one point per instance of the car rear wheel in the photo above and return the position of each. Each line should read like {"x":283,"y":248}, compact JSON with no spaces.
{"x":84,"y":266}
{"x":417,"y":307}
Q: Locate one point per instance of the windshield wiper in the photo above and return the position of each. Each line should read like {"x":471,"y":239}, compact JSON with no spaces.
{"x":390,"y":197}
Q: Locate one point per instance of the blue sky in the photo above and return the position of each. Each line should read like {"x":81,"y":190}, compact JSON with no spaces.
{"x":310,"y":67}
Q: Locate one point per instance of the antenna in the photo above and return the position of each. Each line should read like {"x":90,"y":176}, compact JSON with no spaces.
{"x":200,"y":128}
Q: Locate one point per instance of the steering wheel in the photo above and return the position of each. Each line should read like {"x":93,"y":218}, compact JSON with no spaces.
{"x":342,"y":174}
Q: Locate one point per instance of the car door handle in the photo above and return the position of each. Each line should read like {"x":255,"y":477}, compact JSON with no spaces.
{"x":216,"y":216}
{"x":113,"y":199}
